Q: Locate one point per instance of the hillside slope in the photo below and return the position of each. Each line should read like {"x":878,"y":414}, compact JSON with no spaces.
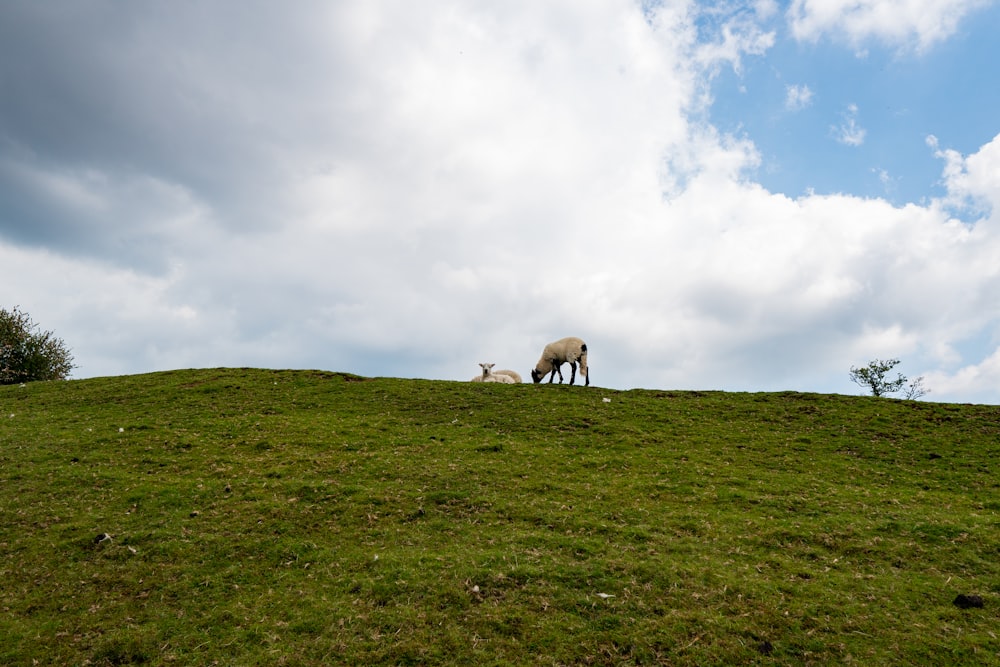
{"x":242,"y":516}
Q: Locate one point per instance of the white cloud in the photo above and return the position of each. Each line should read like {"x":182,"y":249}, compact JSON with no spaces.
{"x":737,"y":38}
{"x":883,"y":177}
{"x":981,"y":378}
{"x":797,"y":97}
{"x":849,"y":132}
{"x":765,"y":9}
{"x":905,"y":24}
{"x":973,"y":181}
{"x":430,"y":187}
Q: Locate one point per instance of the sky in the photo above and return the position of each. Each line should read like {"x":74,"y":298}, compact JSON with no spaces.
{"x":740,"y":196}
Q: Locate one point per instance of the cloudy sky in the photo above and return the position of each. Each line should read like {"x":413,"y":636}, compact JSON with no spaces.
{"x":748,"y":196}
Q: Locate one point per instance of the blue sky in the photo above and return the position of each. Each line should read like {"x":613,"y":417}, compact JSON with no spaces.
{"x":886,"y":96}
{"x":748,"y":196}
{"x":866,"y":118}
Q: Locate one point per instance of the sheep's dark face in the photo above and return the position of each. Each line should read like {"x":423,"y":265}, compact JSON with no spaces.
{"x":536,"y":377}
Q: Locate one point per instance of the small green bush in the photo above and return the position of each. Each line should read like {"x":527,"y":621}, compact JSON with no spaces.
{"x":27,"y":354}
{"x":873,"y":377}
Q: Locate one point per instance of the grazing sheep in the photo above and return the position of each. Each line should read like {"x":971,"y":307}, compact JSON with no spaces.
{"x":503,"y":377}
{"x":556,"y":354}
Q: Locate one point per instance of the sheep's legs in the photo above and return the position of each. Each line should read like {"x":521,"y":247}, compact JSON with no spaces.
{"x":556,"y":368}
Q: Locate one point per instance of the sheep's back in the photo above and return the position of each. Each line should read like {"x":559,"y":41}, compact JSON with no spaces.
{"x":565,"y":349}
{"x":513,"y":374}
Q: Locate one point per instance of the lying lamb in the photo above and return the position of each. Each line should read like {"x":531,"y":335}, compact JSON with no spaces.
{"x":556,"y":354}
{"x":503,"y":377}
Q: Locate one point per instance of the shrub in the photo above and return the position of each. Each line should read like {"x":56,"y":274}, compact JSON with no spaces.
{"x":873,"y":376}
{"x":28,"y":354}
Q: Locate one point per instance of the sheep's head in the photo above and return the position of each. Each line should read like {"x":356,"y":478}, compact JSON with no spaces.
{"x":487,"y":368}
{"x":536,"y":375}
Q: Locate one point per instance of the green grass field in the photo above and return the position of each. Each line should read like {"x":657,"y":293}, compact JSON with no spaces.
{"x":261,"y":517}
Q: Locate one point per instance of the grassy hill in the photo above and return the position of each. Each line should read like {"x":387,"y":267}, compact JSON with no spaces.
{"x":257,"y":517}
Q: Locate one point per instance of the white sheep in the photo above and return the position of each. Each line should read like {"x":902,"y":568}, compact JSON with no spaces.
{"x":503,"y":377}
{"x":572,"y":350}
{"x":513,"y":375}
